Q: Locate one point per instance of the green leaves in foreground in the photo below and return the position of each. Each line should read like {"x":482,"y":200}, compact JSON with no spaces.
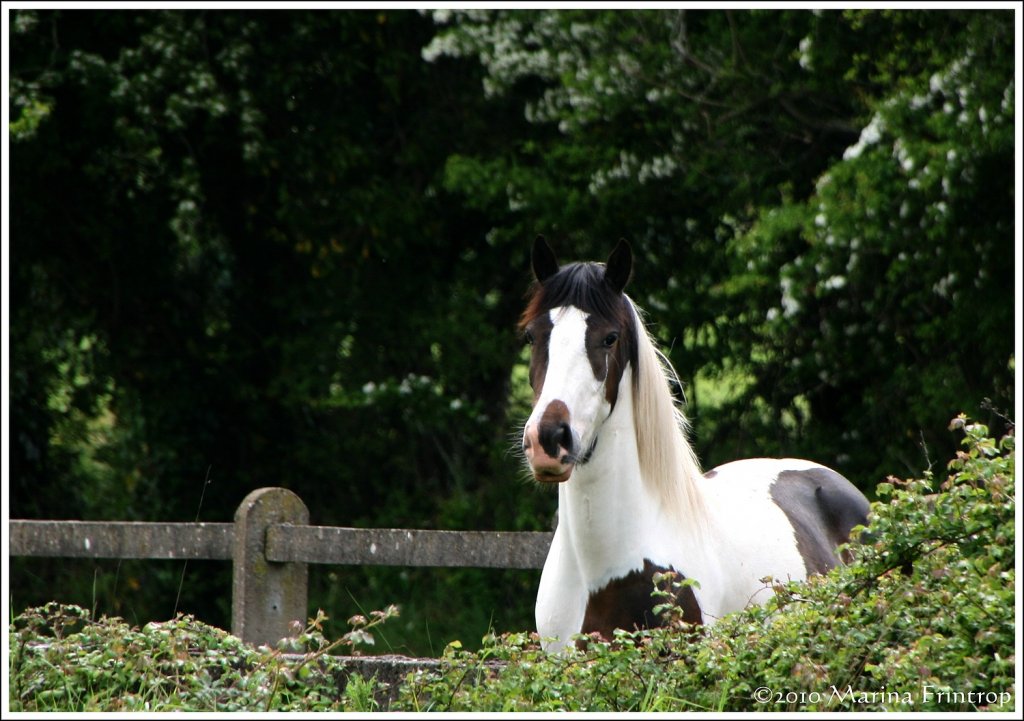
{"x":923,"y":619}
{"x":61,"y":660}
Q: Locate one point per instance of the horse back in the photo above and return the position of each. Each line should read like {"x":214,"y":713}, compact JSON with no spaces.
{"x":819,"y":505}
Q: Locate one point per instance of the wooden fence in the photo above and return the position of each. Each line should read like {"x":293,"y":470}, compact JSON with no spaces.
{"x":270,"y":544}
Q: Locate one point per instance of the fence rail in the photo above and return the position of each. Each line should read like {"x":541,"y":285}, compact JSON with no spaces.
{"x":270,"y":545}
{"x":122,"y":539}
{"x":402,"y":547}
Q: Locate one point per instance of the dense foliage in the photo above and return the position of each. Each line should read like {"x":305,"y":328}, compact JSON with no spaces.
{"x":922,"y":620}
{"x":289,"y":248}
{"x":64,"y":660}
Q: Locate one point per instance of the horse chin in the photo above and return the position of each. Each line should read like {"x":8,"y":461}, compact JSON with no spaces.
{"x":550,"y":476}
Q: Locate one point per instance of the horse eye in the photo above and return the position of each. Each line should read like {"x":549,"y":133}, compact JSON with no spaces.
{"x":610,"y":340}
{"x":528,"y":337}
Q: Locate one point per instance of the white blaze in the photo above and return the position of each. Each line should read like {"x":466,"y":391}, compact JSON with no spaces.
{"x":570,"y":377}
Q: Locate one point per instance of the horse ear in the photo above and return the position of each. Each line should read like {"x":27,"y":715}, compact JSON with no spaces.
{"x":619,"y":267}
{"x":545,"y":264}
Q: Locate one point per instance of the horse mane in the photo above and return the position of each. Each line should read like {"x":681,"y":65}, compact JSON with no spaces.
{"x":668,"y":463}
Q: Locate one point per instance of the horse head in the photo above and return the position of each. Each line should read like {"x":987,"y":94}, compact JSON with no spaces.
{"x":582,"y":332}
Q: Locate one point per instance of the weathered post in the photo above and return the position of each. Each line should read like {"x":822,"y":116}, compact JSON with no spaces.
{"x":267,"y":597}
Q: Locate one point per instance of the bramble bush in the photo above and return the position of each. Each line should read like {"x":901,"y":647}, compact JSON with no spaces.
{"x":62,"y":660}
{"x":922,"y":619}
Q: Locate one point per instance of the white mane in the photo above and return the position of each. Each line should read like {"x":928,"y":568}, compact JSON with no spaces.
{"x":667,"y":461}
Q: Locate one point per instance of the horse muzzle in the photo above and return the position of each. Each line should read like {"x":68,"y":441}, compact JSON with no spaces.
{"x":547,"y":468}
{"x":550,"y":445}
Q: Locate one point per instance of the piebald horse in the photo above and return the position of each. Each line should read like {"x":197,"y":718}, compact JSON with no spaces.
{"x":632,"y":499}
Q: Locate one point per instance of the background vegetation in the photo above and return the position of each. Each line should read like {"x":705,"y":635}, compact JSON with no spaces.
{"x":289,"y":248}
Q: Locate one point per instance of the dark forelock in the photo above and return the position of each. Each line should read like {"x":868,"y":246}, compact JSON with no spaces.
{"x":577,"y":284}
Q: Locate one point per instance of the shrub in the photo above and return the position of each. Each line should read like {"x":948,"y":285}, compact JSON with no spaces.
{"x":62,"y":660}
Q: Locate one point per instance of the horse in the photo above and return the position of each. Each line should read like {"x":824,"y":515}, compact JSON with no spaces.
{"x":632,"y":500}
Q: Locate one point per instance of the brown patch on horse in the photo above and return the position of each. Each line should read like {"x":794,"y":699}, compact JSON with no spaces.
{"x":538,"y":331}
{"x":822,"y":507}
{"x":611,"y":345}
{"x":627,"y":603}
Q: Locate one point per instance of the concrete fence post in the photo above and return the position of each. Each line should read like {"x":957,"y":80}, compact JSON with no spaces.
{"x":267,"y":597}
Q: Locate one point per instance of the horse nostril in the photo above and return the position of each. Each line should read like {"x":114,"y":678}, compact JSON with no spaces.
{"x":565,"y":438}
{"x":555,"y":436}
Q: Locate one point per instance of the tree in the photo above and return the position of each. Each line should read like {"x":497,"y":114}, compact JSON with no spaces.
{"x":893,"y":305}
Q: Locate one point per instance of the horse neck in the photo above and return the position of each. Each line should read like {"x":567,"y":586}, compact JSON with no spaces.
{"x":614,"y":517}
